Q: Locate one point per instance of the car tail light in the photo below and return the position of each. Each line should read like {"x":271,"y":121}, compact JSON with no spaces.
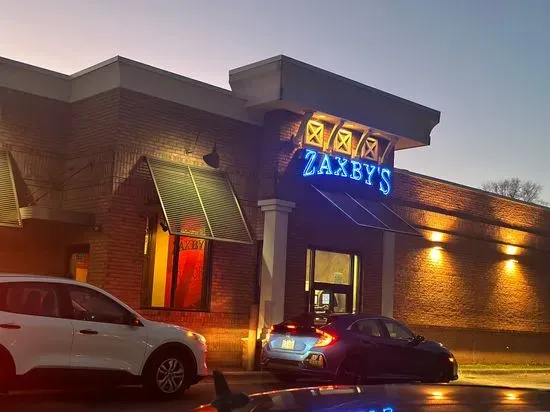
{"x":325,"y":339}
{"x":293,"y":327}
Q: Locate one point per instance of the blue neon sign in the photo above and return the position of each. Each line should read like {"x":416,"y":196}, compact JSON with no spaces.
{"x":325,"y":164}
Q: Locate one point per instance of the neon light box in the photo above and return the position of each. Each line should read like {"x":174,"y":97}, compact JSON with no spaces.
{"x":345,"y":170}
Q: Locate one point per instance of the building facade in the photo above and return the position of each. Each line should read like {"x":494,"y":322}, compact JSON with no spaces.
{"x":103,"y":179}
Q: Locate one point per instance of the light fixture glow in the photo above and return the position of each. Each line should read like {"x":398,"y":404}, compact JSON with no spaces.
{"x":511,"y":396}
{"x":511,"y":264}
{"x":435,"y":253}
{"x":511,"y":250}
{"x":437,"y":237}
{"x":437,"y":395}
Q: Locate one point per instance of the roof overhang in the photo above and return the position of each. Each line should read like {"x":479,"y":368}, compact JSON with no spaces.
{"x":285,"y":83}
{"x":57,"y":215}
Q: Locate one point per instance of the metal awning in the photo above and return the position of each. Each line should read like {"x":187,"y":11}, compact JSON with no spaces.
{"x":368,"y":213}
{"x":198,"y":202}
{"x":9,"y":205}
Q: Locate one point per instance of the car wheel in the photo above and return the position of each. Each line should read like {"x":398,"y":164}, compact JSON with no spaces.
{"x":285,"y":378}
{"x":351,"y":372}
{"x":168,"y":375}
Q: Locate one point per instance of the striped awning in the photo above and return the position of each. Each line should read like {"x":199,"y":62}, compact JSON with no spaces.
{"x":9,"y":206}
{"x":198,"y":202}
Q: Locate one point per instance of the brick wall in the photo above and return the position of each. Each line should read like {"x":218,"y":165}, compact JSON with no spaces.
{"x":151,"y":127}
{"x":468,"y":295}
{"x":33,"y":130}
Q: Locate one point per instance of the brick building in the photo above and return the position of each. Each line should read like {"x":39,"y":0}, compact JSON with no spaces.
{"x":103,"y":179}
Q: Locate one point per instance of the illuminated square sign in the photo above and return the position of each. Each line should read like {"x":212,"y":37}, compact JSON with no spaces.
{"x":370,"y":174}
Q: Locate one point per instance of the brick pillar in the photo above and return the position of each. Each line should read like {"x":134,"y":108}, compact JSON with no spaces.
{"x":273,"y":270}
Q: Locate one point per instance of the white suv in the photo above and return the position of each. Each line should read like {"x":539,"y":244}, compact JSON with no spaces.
{"x":59,"y":328}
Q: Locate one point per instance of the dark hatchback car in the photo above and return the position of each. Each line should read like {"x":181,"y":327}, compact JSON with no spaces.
{"x":354,"y":349}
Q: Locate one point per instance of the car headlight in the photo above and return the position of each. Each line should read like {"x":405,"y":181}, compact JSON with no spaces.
{"x":198,"y":337}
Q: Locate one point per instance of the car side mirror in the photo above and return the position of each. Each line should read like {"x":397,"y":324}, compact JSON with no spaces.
{"x":417,"y":340}
{"x":133,"y":320}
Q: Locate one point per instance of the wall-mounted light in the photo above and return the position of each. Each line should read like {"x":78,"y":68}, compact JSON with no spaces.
{"x":436,"y":237}
{"x":164,"y":226}
{"x":212,"y":159}
{"x":511,"y":250}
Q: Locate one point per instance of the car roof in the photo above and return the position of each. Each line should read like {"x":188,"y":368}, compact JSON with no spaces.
{"x":22,"y":277}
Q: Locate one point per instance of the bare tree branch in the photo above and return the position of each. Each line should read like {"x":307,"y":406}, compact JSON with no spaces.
{"x":514,"y":188}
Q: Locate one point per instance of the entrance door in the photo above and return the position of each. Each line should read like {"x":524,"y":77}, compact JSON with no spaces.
{"x":332,"y":281}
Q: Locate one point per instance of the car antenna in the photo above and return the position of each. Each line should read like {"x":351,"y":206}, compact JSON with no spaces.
{"x":226,"y":401}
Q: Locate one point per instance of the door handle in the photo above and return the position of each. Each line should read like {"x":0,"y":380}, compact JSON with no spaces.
{"x":10,"y":326}
{"x":88,"y":332}
{"x":368,"y":344}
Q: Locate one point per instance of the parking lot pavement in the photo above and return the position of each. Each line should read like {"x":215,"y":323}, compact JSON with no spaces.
{"x":130,"y":399}
{"x":535,"y":380}
{"x":134,"y":400}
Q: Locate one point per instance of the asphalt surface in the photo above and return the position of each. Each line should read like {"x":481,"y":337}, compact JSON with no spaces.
{"x":133,"y":399}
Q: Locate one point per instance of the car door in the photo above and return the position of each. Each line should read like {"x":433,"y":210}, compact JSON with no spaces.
{"x":104,"y":339}
{"x":370,"y":335}
{"x":402,"y":356}
{"x":31,"y":326}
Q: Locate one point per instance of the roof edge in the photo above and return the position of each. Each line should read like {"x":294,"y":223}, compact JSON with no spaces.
{"x":473,"y":189}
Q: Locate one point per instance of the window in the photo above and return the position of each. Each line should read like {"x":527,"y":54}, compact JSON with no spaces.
{"x":369,"y":327}
{"x":177,"y":271}
{"x":29,"y":298}
{"x":92,"y":306}
{"x":398,"y":331}
{"x":331,"y":281}
{"x":78,"y":257}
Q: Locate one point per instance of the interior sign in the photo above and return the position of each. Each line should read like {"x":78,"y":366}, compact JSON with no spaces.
{"x":371,"y":174}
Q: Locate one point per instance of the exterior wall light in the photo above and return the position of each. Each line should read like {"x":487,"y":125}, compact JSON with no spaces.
{"x":212,"y":159}
{"x":436,"y":237}
{"x":511,"y":250}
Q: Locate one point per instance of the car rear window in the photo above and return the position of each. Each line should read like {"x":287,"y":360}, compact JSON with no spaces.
{"x":29,"y":298}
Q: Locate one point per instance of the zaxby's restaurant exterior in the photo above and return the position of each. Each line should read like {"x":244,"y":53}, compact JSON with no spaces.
{"x":103,"y":179}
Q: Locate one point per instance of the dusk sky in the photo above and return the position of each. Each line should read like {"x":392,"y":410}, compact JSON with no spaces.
{"x":484,"y":64}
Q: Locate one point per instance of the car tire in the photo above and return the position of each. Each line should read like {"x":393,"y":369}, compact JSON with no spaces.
{"x":285,"y":377}
{"x":168,"y":374}
{"x":350,"y":372}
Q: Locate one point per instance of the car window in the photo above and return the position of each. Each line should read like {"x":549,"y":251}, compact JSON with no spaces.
{"x":368,"y":327}
{"x":29,"y":298}
{"x":398,"y":331}
{"x":93,"y":306}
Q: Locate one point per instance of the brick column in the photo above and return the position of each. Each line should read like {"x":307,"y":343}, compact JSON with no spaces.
{"x":273,"y":270}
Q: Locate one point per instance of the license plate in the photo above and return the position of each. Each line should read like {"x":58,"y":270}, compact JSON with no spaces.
{"x":288,"y":344}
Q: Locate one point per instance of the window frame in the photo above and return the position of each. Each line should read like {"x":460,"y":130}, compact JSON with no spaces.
{"x":54,"y":287}
{"x":66,"y":289}
{"x":149,"y":271}
{"x":381,"y":328}
{"x":310,"y":295}
{"x":403,"y":326}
